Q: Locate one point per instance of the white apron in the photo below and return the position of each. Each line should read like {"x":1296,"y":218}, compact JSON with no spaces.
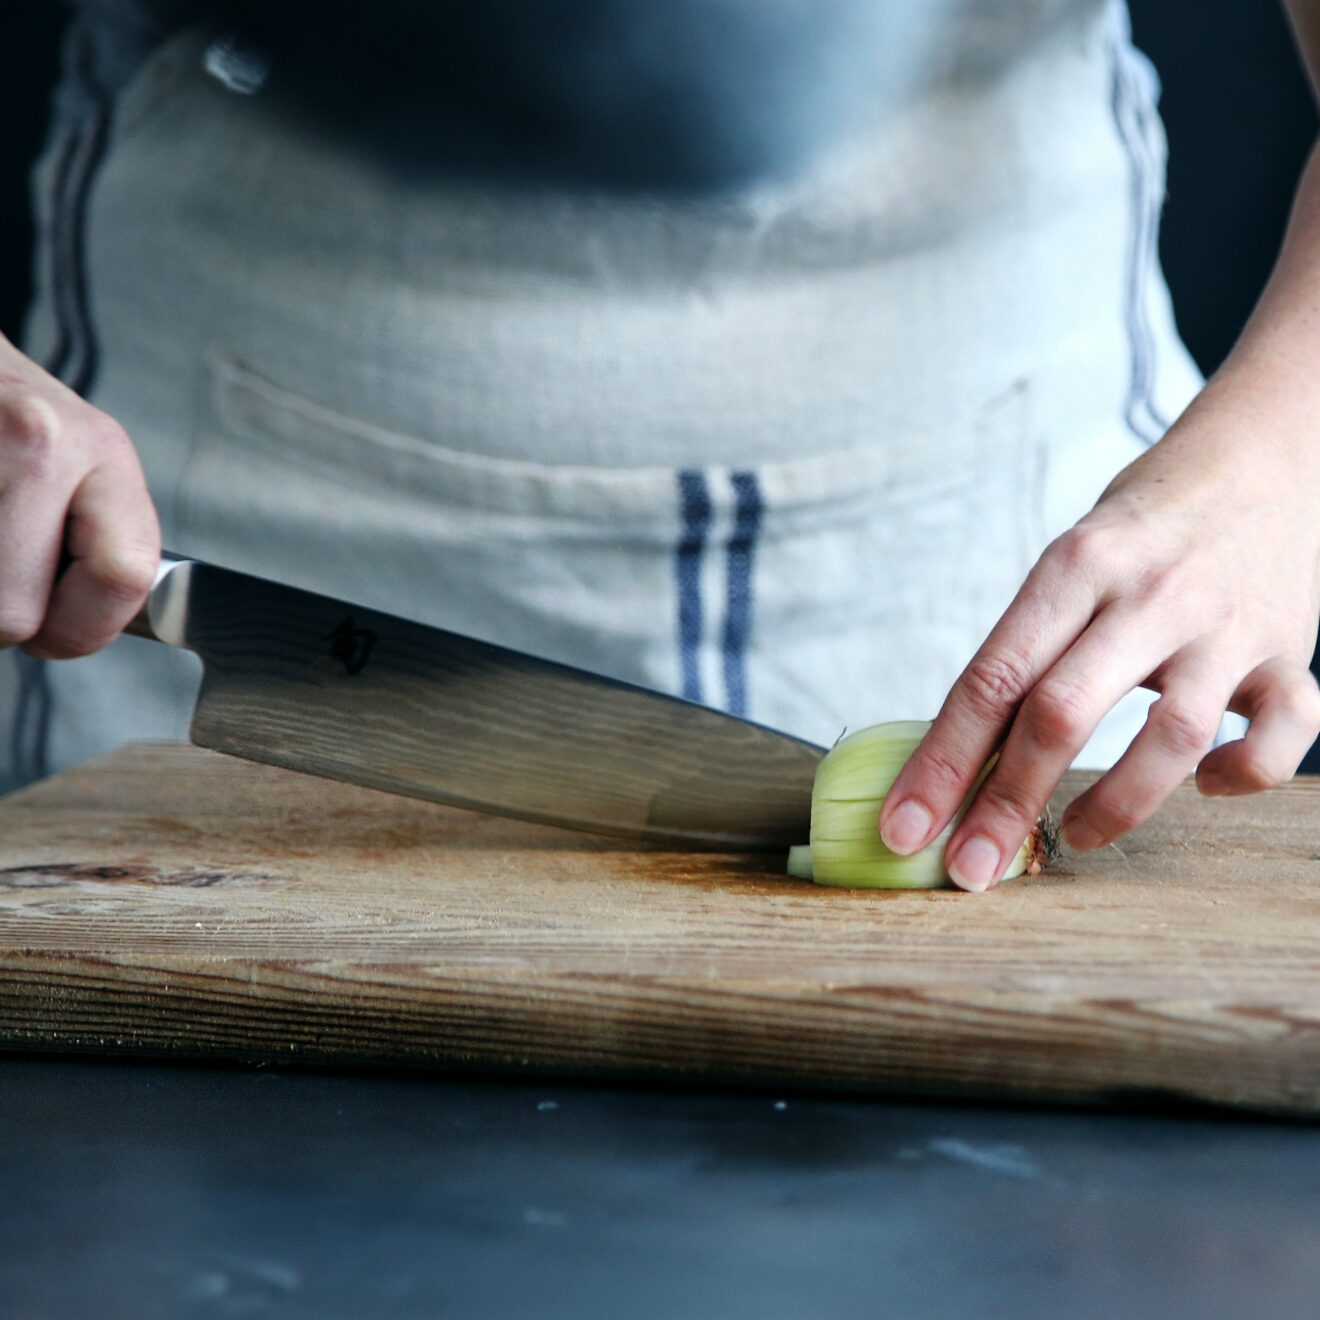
{"x":789,"y":452}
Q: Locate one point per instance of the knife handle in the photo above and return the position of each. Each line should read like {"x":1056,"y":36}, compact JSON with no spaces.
{"x":140,"y":624}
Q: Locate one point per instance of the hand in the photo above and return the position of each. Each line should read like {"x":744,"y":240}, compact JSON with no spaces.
{"x":69,"y":480}
{"x":1197,"y":575}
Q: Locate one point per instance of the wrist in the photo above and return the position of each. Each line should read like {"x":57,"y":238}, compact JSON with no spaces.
{"x":1256,"y":420}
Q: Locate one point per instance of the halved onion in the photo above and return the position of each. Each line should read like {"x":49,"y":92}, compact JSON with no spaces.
{"x":851,"y":783}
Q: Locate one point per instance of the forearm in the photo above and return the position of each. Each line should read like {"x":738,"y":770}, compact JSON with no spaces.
{"x":1266,"y":396}
{"x":1282,"y":336}
{"x":1305,"y":18}
{"x":1280,"y":346}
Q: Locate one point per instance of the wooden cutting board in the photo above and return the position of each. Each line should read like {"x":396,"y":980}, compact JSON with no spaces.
{"x":170,"y":901}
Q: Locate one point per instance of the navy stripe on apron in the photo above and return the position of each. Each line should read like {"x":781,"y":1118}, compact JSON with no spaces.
{"x":1132,"y":120}
{"x":695,"y":511}
{"x":74,"y":359}
{"x":748,"y":508}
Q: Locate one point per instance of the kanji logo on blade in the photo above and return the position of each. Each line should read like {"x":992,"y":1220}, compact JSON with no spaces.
{"x":351,"y":646}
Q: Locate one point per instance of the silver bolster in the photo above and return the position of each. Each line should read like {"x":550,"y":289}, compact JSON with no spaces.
{"x":164,"y":617}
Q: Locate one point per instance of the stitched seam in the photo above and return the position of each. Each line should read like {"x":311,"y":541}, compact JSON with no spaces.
{"x":1140,"y":413}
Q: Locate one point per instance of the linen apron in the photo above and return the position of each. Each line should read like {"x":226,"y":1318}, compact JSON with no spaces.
{"x":788,"y":451}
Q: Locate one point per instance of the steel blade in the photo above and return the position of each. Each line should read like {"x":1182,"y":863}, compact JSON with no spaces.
{"x":313,"y":684}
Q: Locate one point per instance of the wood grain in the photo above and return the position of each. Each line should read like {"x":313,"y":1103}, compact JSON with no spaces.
{"x":171,"y":901}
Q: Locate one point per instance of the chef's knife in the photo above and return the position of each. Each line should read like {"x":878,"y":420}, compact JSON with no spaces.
{"x":314,"y":684}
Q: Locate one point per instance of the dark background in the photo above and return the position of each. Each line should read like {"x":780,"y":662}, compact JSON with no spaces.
{"x":1237,"y":108}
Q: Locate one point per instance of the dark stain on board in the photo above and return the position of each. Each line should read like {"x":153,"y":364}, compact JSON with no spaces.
{"x":56,"y":875}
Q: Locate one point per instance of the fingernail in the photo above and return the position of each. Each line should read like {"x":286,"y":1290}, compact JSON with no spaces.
{"x":905,"y":831}
{"x":1078,"y":834}
{"x":1211,"y":783}
{"x":975,"y":865}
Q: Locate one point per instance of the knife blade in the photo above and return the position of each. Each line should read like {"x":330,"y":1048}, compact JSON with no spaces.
{"x":330,"y":688}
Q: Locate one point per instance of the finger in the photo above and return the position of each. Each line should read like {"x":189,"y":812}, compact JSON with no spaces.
{"x":32,"y":508}
{"x":1111,"y":657}
{"x":30,"y":529}
{"x":1180,"y":727}
{"x":1055,"y":604}
{"x":1281,"y":700}
{"x":114,"y":541}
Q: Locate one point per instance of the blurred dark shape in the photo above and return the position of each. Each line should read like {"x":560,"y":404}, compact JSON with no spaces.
{"x":670,"y":94}
{"x":1241,"y":120}
{"x":28,"y":59}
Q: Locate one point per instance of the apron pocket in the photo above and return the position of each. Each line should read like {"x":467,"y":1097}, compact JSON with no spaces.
{"x":836,"y":588}
{"x":573,"y":563}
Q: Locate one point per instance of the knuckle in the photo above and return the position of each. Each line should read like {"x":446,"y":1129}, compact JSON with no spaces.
{"x":1077,"y":549}
{"x":124,"y":579}
{"x":1161,"y":584}
{"x":30,"y":431}
{"x":1005,"y":801}
{"x":18,"y":624}
{"x":1303,"y":701}
{"x":106,"y":434}
{"x":996,"y":684}
{"x":65,"y":646}
{"x":948,"y":773}
{"x":1182,"y":728}
{"x":1253,"y":775}
{"x":1117,"y":815}
{"x":1058,"y":711}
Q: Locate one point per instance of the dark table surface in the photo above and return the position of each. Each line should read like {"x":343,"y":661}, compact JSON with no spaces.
{"x":137,"y":1190}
